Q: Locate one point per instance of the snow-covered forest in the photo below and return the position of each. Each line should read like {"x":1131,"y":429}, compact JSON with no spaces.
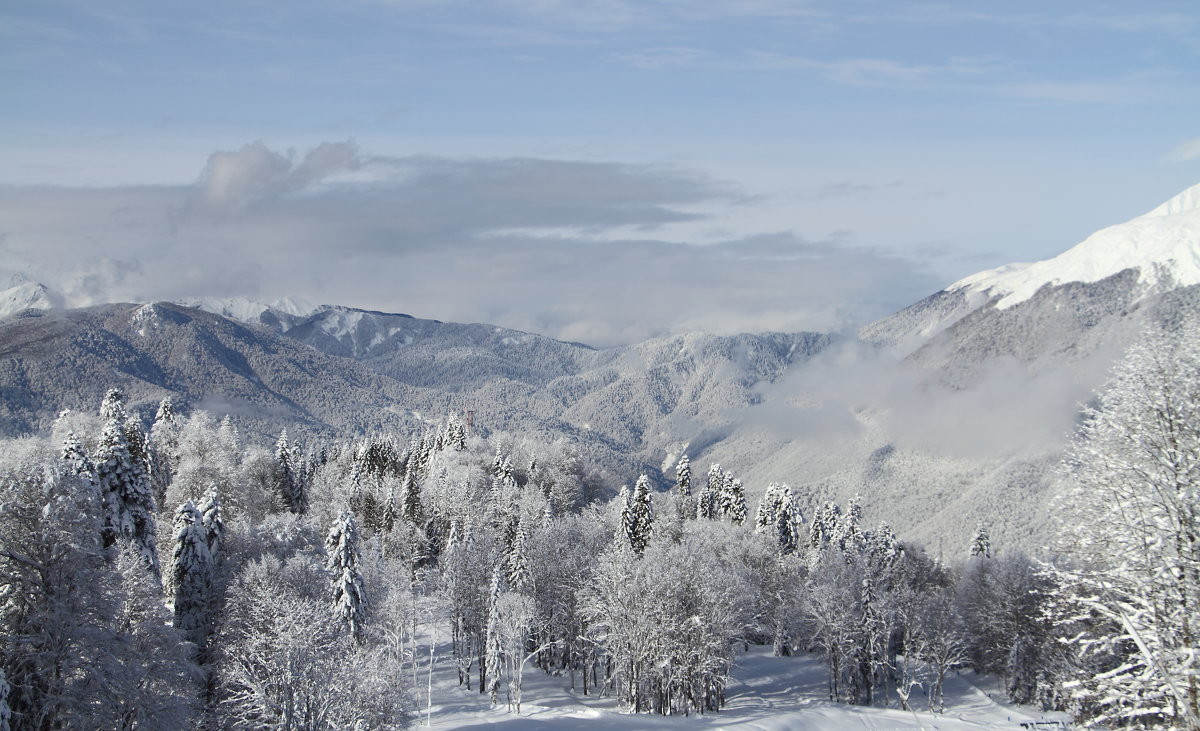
{"x":176,"y":574}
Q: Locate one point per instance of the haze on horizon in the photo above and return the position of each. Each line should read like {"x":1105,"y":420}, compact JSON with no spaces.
{"x":595,"y":170}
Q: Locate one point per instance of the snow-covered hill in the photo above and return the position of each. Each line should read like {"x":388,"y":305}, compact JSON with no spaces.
{"x":1162,"y":247}
{"x":18,"y":294}
{"x":958,"y":407}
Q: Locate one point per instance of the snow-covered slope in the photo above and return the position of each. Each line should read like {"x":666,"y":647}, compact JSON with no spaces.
{"x":282,"y":314}
{"x":18,"y":293}
{"x":24,"y":296}
{"x":1163,"y":245}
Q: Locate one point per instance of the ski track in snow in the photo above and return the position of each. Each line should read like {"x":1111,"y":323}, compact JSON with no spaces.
{"x":765,"y":694}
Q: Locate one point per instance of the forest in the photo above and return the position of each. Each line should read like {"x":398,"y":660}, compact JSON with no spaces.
{"x":176,"y":574}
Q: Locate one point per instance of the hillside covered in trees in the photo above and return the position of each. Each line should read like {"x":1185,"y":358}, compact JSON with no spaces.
{"x":175,"y":574}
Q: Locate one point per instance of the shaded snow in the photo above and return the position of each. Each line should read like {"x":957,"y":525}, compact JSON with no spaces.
{"x":767,"y":694}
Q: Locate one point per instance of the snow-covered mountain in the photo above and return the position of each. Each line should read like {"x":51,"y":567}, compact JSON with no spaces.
{"x":953,"y":410}
{"x":1161,"y":248}
{"x":18,"y":294}
{"x":280,"y":315}
{"x":958,"y":407}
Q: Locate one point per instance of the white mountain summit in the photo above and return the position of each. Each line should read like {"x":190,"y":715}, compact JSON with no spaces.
{"x":1163,"y":245}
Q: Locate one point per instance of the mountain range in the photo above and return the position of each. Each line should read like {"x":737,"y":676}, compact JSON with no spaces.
{"x":951,"y":411}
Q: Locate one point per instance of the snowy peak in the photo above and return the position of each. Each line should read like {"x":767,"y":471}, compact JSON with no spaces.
{"x":23,"y":295}
{"x":1163,"y":245}
{"x":280,"y":315}
{"x":1188,"y":200}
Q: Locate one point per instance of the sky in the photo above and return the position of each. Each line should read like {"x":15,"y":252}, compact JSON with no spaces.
{"x":595,"y":170}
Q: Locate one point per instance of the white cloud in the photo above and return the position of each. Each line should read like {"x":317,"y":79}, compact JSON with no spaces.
{"x":1185,"y":151}
{"x":540,"y":245}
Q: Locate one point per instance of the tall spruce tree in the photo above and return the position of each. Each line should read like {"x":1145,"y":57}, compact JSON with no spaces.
{"x":637,"y":518}
{"x":348,"y":595}
{"x":190,"y":579}
{"x":494,"y":641}
{"x":683,"y":477}
{"x":124,"y":486}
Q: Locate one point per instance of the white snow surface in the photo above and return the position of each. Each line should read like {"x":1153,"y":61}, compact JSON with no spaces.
{"x":244,"y":309}
{"x":23,"y":295}
{"x":1163,"y":245}
{"x":767,"y":694}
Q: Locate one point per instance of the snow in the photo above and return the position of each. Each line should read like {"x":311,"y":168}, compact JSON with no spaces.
{"x":1164,"y":245}
{"x":339,"y":324}
{"x":767,"y":694}
{"x":23,"y":295}
{"x":244,"y":309}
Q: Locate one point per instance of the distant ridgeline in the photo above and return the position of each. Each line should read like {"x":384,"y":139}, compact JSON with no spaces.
{"x":953,"y":410}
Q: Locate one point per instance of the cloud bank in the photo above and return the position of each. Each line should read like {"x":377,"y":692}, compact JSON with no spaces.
{"x":577,"y":250}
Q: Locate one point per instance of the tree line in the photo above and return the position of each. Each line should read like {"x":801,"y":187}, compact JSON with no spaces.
{"x":178,"y":575}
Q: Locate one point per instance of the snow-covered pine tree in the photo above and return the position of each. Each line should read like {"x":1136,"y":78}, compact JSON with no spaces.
{"x":708,"y":502}
{"x":190,"y":579}
{"x":824,"y":525}
{"x":163,"y":451}
{"x":410,"y":498}
{"x":125,"y":487}
{"x":78,"y":462}
{"x":683,"y":477}
{"x":494,"y":642}
{"x":349,"y":598}
{"x":981,"y":544}
{"x":213,"y":524}
{"x":388,"y":518}
{"x":289,"y":476}
{"x":734,"y":502}
{"x":778,"y":516}
{"x":1131,"y":526}
{"x":456,"y":434}
{"x":637,"y":517}
{"x":848,"y":531}
{"x":518,"y":560}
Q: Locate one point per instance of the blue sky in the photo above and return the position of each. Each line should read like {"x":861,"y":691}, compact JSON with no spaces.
{"x":776,"y":165}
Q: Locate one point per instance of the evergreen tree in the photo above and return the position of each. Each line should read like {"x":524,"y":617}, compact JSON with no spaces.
{"x":163,"y":449}
{"x":494,"y":642}
{"x":124,"y":487}
{"x":518,"y":560}
{"x":211,"y":521}
{"x":734,"y":502}
{"x":342,"y":560}
{"x":824,"y":525}
{"x":78,"y":462}
{"x":708,"y":502}
{"x":190,"y":579}
{"x":410,"y":498}
{"x":290,"y":485}
{"x":637,"y":517}
{"x":388,"y":519}
{"x":981,"y":545}
{"x":683,"y":477}
{"x":778,"y":516}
